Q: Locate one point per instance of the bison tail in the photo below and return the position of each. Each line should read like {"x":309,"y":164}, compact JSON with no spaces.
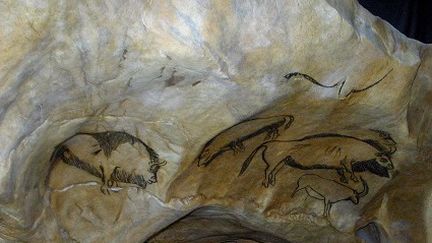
{"x":247,"y":162}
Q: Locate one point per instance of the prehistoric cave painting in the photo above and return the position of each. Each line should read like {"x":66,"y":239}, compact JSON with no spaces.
{"x":329,"y":191}
{"x":63,"y":153}
{"x":229,"y":140}
{"x":310,"y":79}
{"x":121,"y":176}
{"x":341,"y":84}
{"x":107,"y":142}
{"x":387,"y":144}
{"x":326,"y":151}
{"x":110,"y":140}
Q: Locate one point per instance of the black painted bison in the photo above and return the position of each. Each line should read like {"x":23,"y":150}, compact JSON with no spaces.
{"x":326,"y":151}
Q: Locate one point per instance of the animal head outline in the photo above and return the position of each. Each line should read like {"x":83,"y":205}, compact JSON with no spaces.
{"x":387,"y":144}
{"x":329,"y":191}
{"x":385,"y":160}
{"x":379,"y":166}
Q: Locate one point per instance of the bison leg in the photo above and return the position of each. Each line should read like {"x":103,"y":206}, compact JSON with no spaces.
{"x":267,"y":171}
{"x":353,"y":176}
{"x":237,"y":146}
{"x":274,"y":171}
{"x":287,"y":161}
{"x":266,"y":180}
{"x":341,"y":173}
{"x":349,"y":170}
{"x":110,"y":183}
{"x":105,"y":189}
{"x":272,"y":133}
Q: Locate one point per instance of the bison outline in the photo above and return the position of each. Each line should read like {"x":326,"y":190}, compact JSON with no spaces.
{"x":330,"y":151}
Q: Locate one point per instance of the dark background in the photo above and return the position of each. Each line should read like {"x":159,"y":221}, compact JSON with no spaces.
{"x":411,"y":17}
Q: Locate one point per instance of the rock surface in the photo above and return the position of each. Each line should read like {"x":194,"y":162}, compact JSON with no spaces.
{"x":212,"y":121}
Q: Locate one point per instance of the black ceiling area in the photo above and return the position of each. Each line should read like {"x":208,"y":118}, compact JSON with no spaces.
{"x":411,"y":17}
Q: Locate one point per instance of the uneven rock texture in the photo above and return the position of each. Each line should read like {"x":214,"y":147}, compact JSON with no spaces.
{"x":212,"y":121}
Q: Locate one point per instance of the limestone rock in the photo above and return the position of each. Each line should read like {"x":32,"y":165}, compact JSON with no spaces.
{"x":210,"y":121}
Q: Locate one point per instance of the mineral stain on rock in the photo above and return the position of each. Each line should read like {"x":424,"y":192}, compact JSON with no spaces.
{"x":196,"y":83}
{"x":174,"y":79}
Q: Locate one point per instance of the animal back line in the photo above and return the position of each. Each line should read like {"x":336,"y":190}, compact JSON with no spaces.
{"x":294,"y":164}
{"x":309,"y":78}
{"x":372,"y":85}
{"x":208,"y":143}
{"x":262,"y":130}
{"x":370,"y":142}
{"x":119,"y":137}
{"x":245,"y":121}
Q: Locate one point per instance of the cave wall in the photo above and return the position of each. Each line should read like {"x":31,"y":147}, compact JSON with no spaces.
{"x":306,"y":120}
